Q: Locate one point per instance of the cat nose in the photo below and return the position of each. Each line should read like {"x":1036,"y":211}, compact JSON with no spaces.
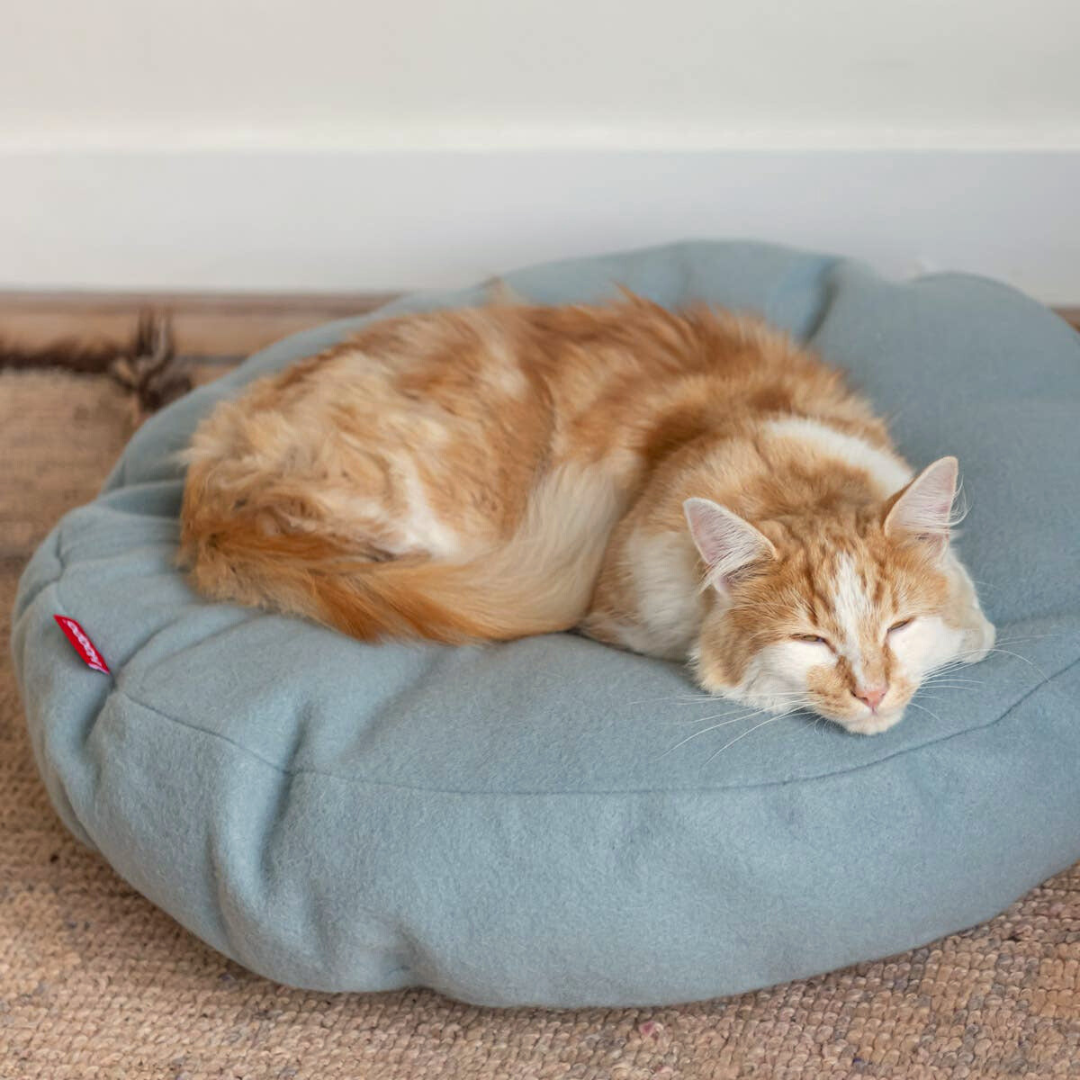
{"x":872,"y":696}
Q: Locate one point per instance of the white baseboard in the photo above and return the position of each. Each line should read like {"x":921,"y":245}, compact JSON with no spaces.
{"x":341,"y":220}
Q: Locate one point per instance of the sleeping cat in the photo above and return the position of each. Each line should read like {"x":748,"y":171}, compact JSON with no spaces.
{"x":691,"y":485}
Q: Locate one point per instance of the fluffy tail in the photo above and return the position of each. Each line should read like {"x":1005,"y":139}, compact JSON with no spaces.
{"x":540,"y":581}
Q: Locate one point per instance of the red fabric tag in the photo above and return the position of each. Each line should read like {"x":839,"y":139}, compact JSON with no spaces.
{"x":82,"y":644}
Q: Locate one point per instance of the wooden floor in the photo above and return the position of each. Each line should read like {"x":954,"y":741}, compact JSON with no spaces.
{"x":203,"y":325}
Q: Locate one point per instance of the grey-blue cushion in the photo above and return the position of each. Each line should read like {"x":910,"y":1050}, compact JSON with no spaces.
{"x":516,"y":823}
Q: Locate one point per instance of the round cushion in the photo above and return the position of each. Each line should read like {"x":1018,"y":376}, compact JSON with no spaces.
{"x":553,"y":821}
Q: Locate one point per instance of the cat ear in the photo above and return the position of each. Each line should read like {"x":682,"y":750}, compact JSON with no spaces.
{"x":923,"y":510}
{"x":726,"y":542}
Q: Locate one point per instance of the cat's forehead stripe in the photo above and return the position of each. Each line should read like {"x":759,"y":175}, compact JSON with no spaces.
{"x":849,"y":597}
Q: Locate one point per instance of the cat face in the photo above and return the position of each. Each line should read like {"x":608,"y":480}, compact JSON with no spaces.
{"x":843,"y":613}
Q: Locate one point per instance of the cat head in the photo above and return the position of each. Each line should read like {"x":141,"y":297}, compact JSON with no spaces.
{"x":842,"y":612}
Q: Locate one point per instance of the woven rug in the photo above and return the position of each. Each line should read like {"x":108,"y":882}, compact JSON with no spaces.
{"x":97,"y":983}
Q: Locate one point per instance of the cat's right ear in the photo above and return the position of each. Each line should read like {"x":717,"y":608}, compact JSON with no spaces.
{"x":923,"y":511}
{"x":726,"y":542}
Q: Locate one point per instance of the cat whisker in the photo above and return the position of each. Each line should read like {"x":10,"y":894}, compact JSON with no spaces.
{"x":1007,"y":652}
{"x":952,"y":675}
{"x":938,"y":684}
{"x":781,"y":700}
{"x":926,"y":710}
{"x":801,"y":694}
{"x":961,"y":667}
{"x":750,"y":731}
{"x":677,"y":699}
{"x":819,"y":719}
{"x":948,"y":680}
{"x":725,"y":717}
{"x":705,"y":731}
{"x":960,"y":662}
{"x":951,"y":680}
{"x":1027,"y":637}
{"x":947,"y":672}
{"x":728,"y":720}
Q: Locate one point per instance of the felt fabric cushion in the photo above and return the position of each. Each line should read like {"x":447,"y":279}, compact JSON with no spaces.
{"x":529,"y":822}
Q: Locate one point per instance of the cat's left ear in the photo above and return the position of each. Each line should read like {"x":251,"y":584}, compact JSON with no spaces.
{"x":923,"y":510}
{"x":726,"y":542}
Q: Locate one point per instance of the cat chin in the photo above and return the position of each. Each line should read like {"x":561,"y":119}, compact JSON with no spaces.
{"x":874,"y":724}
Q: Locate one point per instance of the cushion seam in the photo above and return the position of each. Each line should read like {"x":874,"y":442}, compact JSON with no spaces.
{"x":604,"y":791}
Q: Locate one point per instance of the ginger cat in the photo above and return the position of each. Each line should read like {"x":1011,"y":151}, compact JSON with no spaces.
{"x":691,"y":485}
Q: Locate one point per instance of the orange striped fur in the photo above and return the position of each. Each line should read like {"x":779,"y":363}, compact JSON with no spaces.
{"x":688,"y":484}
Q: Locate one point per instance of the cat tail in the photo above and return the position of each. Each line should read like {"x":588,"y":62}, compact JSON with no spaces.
{"x":540,"y":581}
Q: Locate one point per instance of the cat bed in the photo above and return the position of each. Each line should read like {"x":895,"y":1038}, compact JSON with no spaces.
{"x":551,"y":821}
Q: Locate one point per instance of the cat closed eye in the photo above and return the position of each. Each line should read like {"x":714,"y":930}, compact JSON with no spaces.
{"x":900,"y":625}
{"x":813,"y":639}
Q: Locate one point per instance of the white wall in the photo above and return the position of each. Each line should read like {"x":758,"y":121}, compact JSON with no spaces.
{"x":330,"y":144}
{"x":626,"y":73}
